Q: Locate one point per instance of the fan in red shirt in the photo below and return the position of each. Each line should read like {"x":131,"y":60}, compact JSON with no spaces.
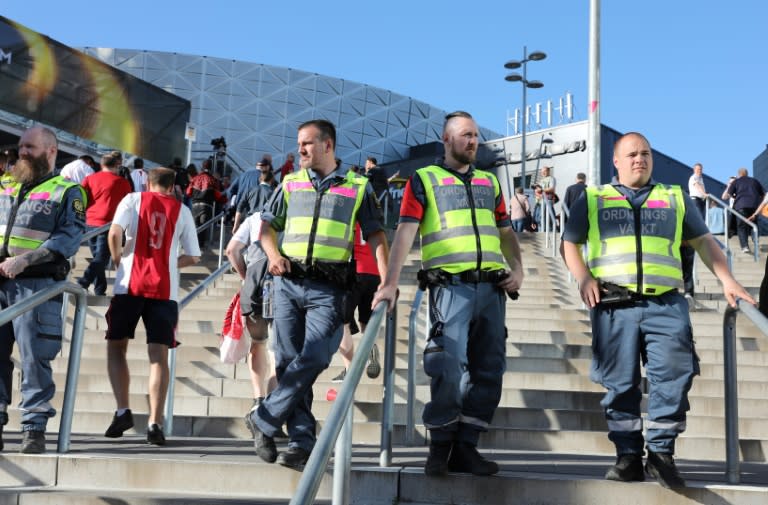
{"x":105,"y":189}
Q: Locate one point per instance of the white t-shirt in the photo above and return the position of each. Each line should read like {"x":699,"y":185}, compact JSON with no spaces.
{"x":156,"y":227}
{"x":139,"y":178}
{"x":693,"y":190}
{"x":76,"y":171}
{"x":248,"y":232}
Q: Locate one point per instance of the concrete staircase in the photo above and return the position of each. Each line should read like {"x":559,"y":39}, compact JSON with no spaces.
{"x":549,"y":434}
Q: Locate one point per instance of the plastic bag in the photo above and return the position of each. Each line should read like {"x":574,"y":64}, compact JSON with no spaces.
{"x":233,"y":347}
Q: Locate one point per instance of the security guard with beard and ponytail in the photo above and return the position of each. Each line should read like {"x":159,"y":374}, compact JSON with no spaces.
{"x":316,"y":208}
{"x":466,"y":236}
{"x":42,"y":221}
{"x":633,"y":228}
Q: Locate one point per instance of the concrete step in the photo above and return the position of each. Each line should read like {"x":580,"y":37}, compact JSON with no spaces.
{"x":151,"y":475}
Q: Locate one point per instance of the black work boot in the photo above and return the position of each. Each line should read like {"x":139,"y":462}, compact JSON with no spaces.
{"x":662,"y":467}
{"x":263,"y":445}
{"x":628,"y":468}
{"x":294,"y":457}
{"x":437,"y":461}
{"x":465,"y":458}
{"x":33,"y":442}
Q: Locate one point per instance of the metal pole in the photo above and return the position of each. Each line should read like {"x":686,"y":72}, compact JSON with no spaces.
{"x":170,"y":395}
{"x":342,"y":461}
{"x":410,"y":421}
{"x":221,"y":240}
{"x":731,"y":397}
{"x":385,"y":455}
{"x":593,"y":137}
{"x":522,"y":137}
{"x":73,"y":368}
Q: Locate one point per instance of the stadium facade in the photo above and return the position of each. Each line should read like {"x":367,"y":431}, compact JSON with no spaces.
{"x":257,"y":107}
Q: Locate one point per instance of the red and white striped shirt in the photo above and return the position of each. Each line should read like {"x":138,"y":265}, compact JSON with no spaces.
{"x":155,"y":226}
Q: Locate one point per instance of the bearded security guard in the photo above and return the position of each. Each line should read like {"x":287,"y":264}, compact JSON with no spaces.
{"x":316,"y":209}
{"x":466,"y":235}
{"x":633,"y":228}
{"x":42,"y":221}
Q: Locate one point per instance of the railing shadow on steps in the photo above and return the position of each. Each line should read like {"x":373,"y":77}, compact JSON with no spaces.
{"x":732,"y":463}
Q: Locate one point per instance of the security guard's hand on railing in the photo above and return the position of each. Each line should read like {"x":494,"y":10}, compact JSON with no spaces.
{"x":387,"y":294}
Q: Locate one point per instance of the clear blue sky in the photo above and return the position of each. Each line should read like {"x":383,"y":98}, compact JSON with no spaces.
{"x":691,"y":76}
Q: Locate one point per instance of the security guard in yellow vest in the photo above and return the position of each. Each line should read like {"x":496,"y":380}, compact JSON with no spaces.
{"x":466,"y":236}
{"x":316,"y":209}
{"x":633,"y":229}
{"x":42,"y":220}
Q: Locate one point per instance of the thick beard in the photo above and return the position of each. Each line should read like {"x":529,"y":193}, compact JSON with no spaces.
{"x":464,"y":157}
{"x":32,"y":170}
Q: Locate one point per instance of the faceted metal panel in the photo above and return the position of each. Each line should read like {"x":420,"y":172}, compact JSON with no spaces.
{"x":257,"y":107}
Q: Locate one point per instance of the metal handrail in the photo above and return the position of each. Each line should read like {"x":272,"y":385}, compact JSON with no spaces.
{"x":341,"y":410}
{"x":221,"y":216}
{"x":410,"y":420}
{"x":732,"y":463}
{"x":172,"y":352}
{"x":96,"y":231}
{"x":550,"y":225}
{"x":728,"y":209}
{"x":76,"y":346}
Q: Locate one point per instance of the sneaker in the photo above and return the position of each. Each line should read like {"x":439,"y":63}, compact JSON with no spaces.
{"x":340,"y":377}
{"x":745,"y":250}
{"x":662,"y":467}
{"x":628,"y":468}
{"x":33,"y":442}
{"x":263,"y":445}
{"x":465,"y":459}
{"x":120,"y":424}
{"x":294,"y":457}
{"x":3,"y":422}
{"x":374,"y":368}
{"x":155,"y":435}
{"x":437,"y":461}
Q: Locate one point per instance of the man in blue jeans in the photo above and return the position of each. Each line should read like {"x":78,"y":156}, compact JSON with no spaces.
{"x":629,"y":278}
{"x":316,"y":208}
{"x":44,"y":219}
{"x":105,"y":189}
{"x":747,"y":194}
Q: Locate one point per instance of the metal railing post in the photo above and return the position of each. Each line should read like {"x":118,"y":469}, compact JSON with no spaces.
{"x":306,"y":490}
{"x":731,"y":397}
{"x":221,"y":238}
{"x":385,"y":455}
{"x":343,"y":460}
{"x":732,"y":463}
{"x":73,"y":368}
{"x":410,"y":421}
{"x":170,"y":395}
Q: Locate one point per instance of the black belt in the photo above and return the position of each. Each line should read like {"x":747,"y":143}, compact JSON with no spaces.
{"x":340,"y":274}
{"x":443,"y":278}
{"x":438,"y":276}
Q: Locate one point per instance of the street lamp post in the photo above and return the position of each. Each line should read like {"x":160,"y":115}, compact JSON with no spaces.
{"x":514,"y":77}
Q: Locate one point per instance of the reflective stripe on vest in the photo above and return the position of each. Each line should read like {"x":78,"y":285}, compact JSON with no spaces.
{"x":334,"y":222}
{"x":636,"y":248}
{"x":458,"y":230}
{"x":36,"y":216}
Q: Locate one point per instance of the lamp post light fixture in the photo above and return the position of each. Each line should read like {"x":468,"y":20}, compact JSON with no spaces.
{"x":515,"y":77}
